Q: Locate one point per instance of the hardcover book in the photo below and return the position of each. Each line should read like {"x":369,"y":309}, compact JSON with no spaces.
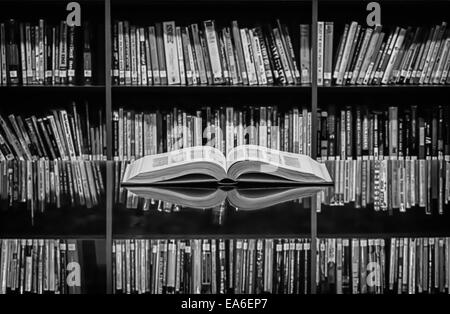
{"x":245,"y":163}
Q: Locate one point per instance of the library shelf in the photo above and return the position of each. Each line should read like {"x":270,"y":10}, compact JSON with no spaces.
{"x":53,"y":89}
{"x":153,"y":236}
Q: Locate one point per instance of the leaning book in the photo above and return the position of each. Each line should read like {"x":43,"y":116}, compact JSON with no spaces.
{"x":245,"y":163}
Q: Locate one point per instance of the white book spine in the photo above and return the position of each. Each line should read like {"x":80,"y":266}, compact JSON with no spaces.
{"x":142,"y":54}
{"x":442,"y":60}
{"x":28,"y":53}
{"x":362,"y":55}
{"x":138,"y":57}
{"x":398,"y":44}
{"x":121,"y":52}
{"x":23,"y":59}
{"x":230,"y":56}
{"x":3,"y":55}
{"x":213,"y":51}
{"x":346,"y":53}
{"x":246,"y":46}
{"x":41,"y":52}
{"x":62,"y":51}
{"x":180,"y":56}
{"x":320,"y":52}
{"x":283,"y":55}
{"x":194,"y":72}
{"x":134,"y":72}
{"x":296,"y":131}
{"x":66,"y":127}
{"x":258,"y":59}
{"x":171,"y":53}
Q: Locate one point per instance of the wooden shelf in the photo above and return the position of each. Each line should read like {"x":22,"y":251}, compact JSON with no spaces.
{"x":53,"y":88}
{"x":227,"y":89}
{"x":158,"y":2}
{"x":84,"y":237}
{"x":356,"y":95}
{"x":348,"y":220}
{"x":383,"y":235}
{"x":211,"y":236}
{"x":54,"y":222}
{"x":381,"y":88}
{"x":220,"y":95}
{"x":40,"y":2}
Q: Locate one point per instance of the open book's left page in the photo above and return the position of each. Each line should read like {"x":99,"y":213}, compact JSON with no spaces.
{"x":192,"y":163}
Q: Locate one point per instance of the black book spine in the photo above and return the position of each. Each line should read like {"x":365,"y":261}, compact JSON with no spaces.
{"x":115,"y":54}
{"x":71,"y":183}
{"x":49,"y":64}
{"x":52,"y":138}
{"x":87,"y":54}
{"x":407,"y":135}
{"x":12,"y":54}
{"x":47,"y":139}
{"x":34,"y":132}
{"x":71,"y":56}
{"x":414,"y":130}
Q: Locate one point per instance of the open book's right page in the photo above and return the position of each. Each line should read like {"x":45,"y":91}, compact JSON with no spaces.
{"x":261,"y":164}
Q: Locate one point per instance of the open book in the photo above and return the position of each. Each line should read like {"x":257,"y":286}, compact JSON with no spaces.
{"x":245,"y":163}
{"x":242,"y":198}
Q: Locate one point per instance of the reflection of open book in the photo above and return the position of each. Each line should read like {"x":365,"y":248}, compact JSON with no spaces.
{"x":242,"y":198}
{"x":246,"y":163}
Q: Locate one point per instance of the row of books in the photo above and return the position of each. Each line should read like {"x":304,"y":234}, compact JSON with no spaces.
{"x":385,"y":131}
{"x":167,"y":54}
{"x":389,"y":157}
{"x":389,"y":185}
{"x":38,"y":266}
{"x":57,"y":135}
{"x":344,"y":132}
{"x":45,"y":54}
{"x":374,"y":56}
{"x":400,"y":266}
{"x":211,"y":266}
{"x":44,"y":183}
{"x":136,"y":134}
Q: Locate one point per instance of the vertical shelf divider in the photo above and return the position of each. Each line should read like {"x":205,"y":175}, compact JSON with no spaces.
{"x":109,"y":162}
{"x":313,"y":139}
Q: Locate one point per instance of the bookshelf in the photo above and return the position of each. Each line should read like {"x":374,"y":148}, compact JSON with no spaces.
{"x":110,"y":222}
{"x":85,"y":225}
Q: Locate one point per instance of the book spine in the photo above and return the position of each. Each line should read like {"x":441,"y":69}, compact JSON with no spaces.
{"x":171,"y":53}
{"x":346,"y":53}
{"x":213,"y":51}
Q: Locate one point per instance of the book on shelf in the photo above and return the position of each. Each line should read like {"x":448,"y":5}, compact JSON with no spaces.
{"x":43,"y":53}
{"x":140,"y":133}
{"x":209,"y":54}
{"x":53,"y":159}
{"x":40,"y":266}
{"x":383,"y":266}
{"x":383,"y":55}
{"x":244,"y":198}
{"x":59,"y":134}
{"x":390,"y":158}
{"x":44,"y":184}
{"x":244,"y":163}
{"x":217,"y":266}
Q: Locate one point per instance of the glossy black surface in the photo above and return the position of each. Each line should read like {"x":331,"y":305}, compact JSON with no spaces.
{"x":348,"y":221}
{"x":65,"y":222}
{"x":291,"y":218}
